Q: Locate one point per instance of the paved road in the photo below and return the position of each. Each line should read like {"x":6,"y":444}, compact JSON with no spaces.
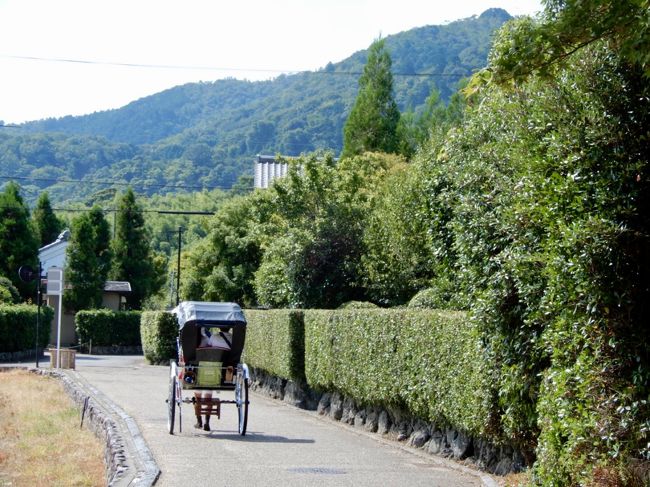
{"x":284,"y":446}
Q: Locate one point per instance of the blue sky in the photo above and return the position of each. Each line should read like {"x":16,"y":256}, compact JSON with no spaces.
{"x":197,"y":40}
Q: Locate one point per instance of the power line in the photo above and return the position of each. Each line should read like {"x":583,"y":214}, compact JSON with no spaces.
{"x":160,"y":212}
{"x":111,"y":210}
{"x":216,"y":68}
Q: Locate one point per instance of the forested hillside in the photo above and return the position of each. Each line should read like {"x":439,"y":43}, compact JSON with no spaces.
{"x":206,"y":135}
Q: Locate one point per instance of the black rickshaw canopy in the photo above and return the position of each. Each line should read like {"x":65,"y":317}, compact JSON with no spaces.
{"x":209,"y":314}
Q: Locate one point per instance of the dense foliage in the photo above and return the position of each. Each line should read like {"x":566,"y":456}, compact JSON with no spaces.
{"x":103,"y":327}
{"x":18,"y":327}
{"x":158,"y":333}
{"x":18,"y":242}
{"x":313,"y":242}
{"x":567,"y":26}
{"x":540,"y":205}
{"x":221,"y":266}
{"x":8,"y":292}
{"x":378,"y":357}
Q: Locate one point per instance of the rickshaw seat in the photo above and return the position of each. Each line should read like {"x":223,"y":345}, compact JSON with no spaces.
{"x":210,"y":354}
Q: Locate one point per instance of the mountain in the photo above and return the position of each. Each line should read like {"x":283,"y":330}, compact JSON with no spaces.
{"x":207,"y":134}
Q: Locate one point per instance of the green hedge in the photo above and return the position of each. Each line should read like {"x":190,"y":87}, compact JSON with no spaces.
{"x":275,"y":342}
{"x":18,"y":327}
{"x":108,"y":328}
{"x":158,"y":332}
{"x":429,"y":362}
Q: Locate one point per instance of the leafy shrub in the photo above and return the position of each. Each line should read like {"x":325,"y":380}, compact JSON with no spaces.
{"x":540,"y":205}
{"x":18,"y":327}
{"x":275,"y":342}
{"x":107,"y":328}
{"x":8,"y":292}
{"x":158,"y":333}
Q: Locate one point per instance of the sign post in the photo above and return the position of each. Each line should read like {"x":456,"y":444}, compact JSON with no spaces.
{"x":54,"y":288}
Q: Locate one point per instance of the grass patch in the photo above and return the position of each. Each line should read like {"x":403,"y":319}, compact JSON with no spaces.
{"x":41,"y":443}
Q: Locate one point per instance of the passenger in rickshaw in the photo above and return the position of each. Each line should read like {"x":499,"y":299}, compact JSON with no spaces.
{"x":221,"y":340}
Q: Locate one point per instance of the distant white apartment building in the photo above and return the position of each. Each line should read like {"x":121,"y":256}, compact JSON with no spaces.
{"x":267,"y":169}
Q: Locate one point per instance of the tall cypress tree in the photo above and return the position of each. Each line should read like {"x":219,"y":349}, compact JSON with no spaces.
{"x":132,"y":259}
{"x":18,"y":242}
{"x":88,"y":260}
{"x":48,"y":226}
{"x":373,"y":120}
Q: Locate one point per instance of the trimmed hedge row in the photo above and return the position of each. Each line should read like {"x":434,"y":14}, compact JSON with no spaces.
{"x":18,"y":327}
{"x":275,"y":342}
{"x":158,"y":333}
{"x":108,"y":328}
{"x":428,"y":362}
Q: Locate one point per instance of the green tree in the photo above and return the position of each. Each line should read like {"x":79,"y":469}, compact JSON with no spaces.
{"x":433,"y":120}
{"x":18,"y":242}
{"x":221,"y":266}
{"x":132,"y":255}
{"x":526,"y":46}
{"x":372,"y":124}
{"x":48,"y":226}
{"x":313,"y":242}
{"x":88,"y":260}
{"x":397,"y":260}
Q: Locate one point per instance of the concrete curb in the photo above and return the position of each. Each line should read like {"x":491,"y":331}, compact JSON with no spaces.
{"x":129,"y":461}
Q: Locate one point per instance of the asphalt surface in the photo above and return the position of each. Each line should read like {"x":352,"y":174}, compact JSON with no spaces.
{"x":284,"y":446}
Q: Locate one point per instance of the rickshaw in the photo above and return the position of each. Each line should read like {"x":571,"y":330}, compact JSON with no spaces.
{"x":210,"y":343}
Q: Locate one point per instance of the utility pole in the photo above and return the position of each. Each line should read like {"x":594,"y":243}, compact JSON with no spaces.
{"x":180,"y":233}
{"x":178,"y":266}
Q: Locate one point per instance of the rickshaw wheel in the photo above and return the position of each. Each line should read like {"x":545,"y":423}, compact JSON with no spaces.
{"x":241,"y":397}
{"x":171,"y":405}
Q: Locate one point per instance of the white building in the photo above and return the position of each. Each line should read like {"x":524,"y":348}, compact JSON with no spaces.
{"x":267,"y":169}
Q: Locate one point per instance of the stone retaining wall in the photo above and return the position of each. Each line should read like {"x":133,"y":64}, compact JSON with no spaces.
{"x":393,"y":424}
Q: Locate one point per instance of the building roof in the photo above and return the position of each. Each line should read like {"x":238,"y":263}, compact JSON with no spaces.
{"x":64,"y":236}
{"x":117,"y":287}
